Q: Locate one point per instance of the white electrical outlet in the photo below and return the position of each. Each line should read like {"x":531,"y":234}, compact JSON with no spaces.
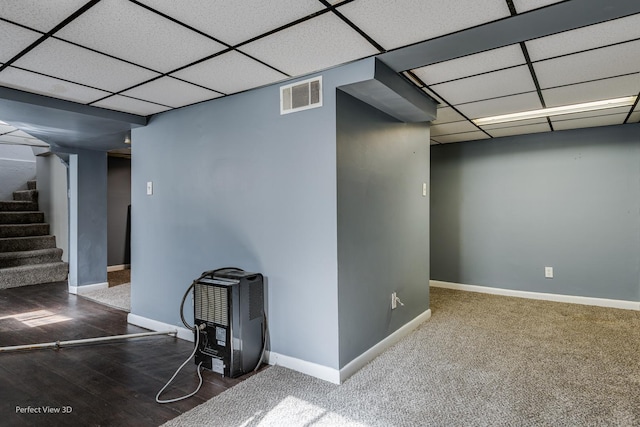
{"x":424,"y":189}
{"x":394,"y":301}
{"x":149,"y":188}
{"x":548,"y":272}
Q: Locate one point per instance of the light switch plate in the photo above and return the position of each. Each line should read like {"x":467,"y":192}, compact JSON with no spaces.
{"x":548,"y":272}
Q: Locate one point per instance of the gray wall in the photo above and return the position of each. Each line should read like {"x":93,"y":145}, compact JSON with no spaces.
{"x":118,"y":201}
{"x":383,"y":224}
{"x":235,"y":183}
{"x":87,"y":218}
{"x":17,"y":166}
{"x":504,"y":209}
{"x":53,"y":200}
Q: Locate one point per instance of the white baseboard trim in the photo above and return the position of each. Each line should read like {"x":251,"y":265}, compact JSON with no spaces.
{"x":79,"y":290}
{"x":319,"y":371}
{"x":119,"y":267}
{"x":359,"y":362}
{"x":155,"y":325}
{"x":336,"y":376}
{"x":571,"y":299}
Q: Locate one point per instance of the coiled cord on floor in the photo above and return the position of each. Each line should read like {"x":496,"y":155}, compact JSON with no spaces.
{"x":195,"y":348}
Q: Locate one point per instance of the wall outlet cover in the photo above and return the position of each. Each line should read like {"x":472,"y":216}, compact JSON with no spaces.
{"x":548,"y":272}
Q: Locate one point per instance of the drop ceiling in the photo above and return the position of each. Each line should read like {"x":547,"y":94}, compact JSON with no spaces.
{"x":144,"y":57}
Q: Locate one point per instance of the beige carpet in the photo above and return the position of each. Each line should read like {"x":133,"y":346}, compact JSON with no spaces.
{"x":116,"y":297}
{"x":482,"y":360}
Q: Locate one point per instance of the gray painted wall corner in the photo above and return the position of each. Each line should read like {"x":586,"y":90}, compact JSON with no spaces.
{"x":383,"y":224}
{"x":53,"y":198}
{"x":87,"y":218}
{"x":504,"y":209}
{"x":235,"y":183}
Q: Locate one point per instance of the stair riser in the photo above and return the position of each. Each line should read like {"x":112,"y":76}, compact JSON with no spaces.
{"x":27,"y":243}
{"x":23,"y":230}
{"x":21,"y":217}
{"x":26,"y":195}
{"x":31,"y":185}
{"x":33,"y":275}
{"x":52,"y":255}
{"x":18,"y":206}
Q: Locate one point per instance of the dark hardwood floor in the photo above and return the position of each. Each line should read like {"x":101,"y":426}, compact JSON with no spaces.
{"x":106,"y":384}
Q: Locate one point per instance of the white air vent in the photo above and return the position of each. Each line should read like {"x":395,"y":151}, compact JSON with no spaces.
{"x":301,"y":95}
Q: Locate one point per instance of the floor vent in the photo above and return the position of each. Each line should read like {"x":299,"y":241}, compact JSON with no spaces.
{"x":301,"y":95}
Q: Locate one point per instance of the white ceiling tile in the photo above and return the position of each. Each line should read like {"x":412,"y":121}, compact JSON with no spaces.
{"x":172,"y":92}
{"x":130,"y":32}
{"x":504,"y":105}
{"x":130,"y":105}
{"x":32,"y":82}
{"x":38,"y":14}
{"x":313,"y":45}
{"x":14,"y":39}
{"x":454,"y":127}
{"x":496,"y":59}
{"x":5,"y":128}
{"x":20,"y":140}
{"x":615,"y":87}
{"x":461,"y":137}
{"x":634,"y":118}
{"x":230,"y":73}
{"x":402,"y":22}
{"x":525,"y":5}
{"x":588,"y":114}
{"x":591,"y":65}
{"x":512,"y":124}
{"x":486,"y":86}
{"x":590,"y":37}
{"x":22,"y":134}
{"x":520,"y":130}
{"x":613,"y":119}
{"x":237,"y":21}
{"x":447,"y":115}
{"x":63,"y":60}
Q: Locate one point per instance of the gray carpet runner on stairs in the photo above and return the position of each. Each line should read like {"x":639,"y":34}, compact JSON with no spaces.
{"x":28,"y":254}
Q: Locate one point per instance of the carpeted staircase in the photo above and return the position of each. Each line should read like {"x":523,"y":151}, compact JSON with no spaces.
{"x":28,"y":255}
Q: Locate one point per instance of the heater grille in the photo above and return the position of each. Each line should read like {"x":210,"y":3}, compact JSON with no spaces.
{"x":211,"y":304}
{"x":301,"y":95}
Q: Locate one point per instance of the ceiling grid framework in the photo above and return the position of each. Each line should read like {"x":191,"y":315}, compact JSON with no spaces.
{"x":149,"y":56}
{"x":582,"y":65}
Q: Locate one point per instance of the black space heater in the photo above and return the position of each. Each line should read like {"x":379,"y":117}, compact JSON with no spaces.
{"x":230,"y":302}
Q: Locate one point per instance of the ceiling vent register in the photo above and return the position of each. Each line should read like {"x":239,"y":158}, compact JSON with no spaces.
{"x":301,"y":95}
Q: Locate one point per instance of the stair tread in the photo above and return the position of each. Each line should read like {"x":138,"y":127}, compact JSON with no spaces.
{"x":27,"y":254}
{"x":24,"y":225}
{"x":17,"y":202}
{"x":42,"y":266}
{"x":21,"y":217}
{"x":26,"y":275}
{"x":27,"y":237}
{"x":20,"y":212}
{"x":15,"y":244}
{"x":24,"y":230}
